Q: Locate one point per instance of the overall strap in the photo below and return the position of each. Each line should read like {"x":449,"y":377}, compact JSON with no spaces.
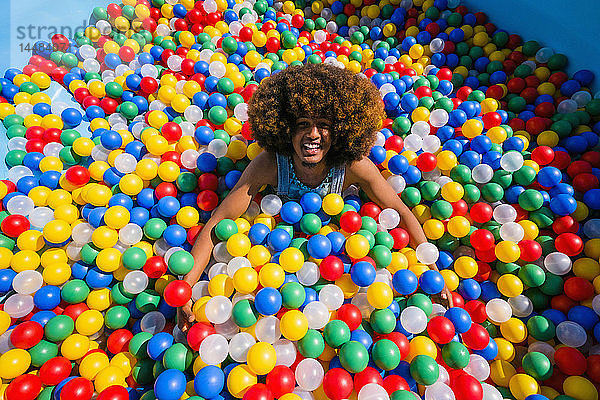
{"x":337,"y":183}
{"x":283,"y":175}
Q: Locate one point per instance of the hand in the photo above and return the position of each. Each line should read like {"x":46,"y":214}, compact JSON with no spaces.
{"x":185,"y":317}
{"x":447,"y":295}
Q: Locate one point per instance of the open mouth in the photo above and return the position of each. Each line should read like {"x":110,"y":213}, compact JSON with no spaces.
{"x":311,"y":148}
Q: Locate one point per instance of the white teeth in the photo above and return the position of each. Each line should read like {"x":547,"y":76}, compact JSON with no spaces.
{"x":311,"y":145}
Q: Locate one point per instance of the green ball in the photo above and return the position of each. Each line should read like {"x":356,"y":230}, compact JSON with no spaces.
{"x":59,"y":328}
{"x":312,"y":344}
{"x":14,"y":157}
{"x":537,"y":365}
{"x":369,"y":224}
{"x":384,"y":239}
{"x":524,"y":176}
{"x":383,"y":321}
{"x":113,"y":89}
{"x":128,"y":109}
{"x":430,"y":190}
{"x":541,"y":328}
{"x":225,"y":86}
{"x":461,"y":174}
{"x":411,"y":196}
{"x":441,"y":209}
{"x":553,"y":285}
{"x":119,"y":295}
{"x":75,"y":291}
{"x":181,"y":262}
{"x":310,"y":224}
{"x":386,"y":354}
{"x":502,"y":178}
{"x":12,"y":119}
{"x":336,"y":333}
{"x":217,"y":115}
{"x":403,"y":395}
{"x":293,"y":295}
{"x":229,"y":45}
{"x":186,"y":182}
{"x":147,"y":301}
{"x":455,"y":355}
{"x":47,"y":393}
{"x":177,"y":357}
{"x":472,"y":193}
{"x":42,"y":352}
{"x":354,"y":357}
{"x":225,"y":229}
{"x":116,"y":317}
{"x":134,"y":258}
{"x":154,"y":228}
{"x":422,"y":301}
{"x":532,"y":275}
{"x":244,"y":314}
{"x":424,"y":370}
{"x":138,"y":345}
{"x":531,"y":200}
{"x":492,"y":192}
{"x":382,"y":255}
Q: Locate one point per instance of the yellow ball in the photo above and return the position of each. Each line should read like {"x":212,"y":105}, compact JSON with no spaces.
{"x":421,"y":345}
{"x":92,"y":364}
{"x":238,"y":245}
{"x":380,"y":295}
{"x":245,"y":280}
{"x":24,"y":260}
{"x":357,"y":246}
{"x":510,"y":285}
{"x":497,"y":134}
{"x":13,"y":363}
{"x":271,"y":275}
{"x":239,"y":380}
{"x":99,"y":299}
{"x":56,"y":274}
{"x":108,"y":259}
{"x":131,"y":184}
{"x":472,"y":128}
{"x":261,"y":358}
{"x":452,"y":192}
{"x":507,"y":251}
{"x":291,"y":259}
{"x":501,"y":372}
{"x":258,"y":255}
{"x":333,"y":204}
{"x":221,"y":285}
{"x":187,"y":217}
{"x":116,"y":217}
{"x":168,"y":171}
{"x":89,"y":322}
{"x":580,"y":388}
{"x":514,"y":330}
{"x":459,"y":226}
{"x":146,"y":169}
{"x":465,"y":267}
{"x":434,"y":229}
{"x":522,"y":385}
{"x":4,"y":321}
{"x":75,"y":346}
{"x":420,"y":113}
{"x":104,"y":237}
{"x":57,"y":231}
{"x":109,"y":376}
{"x":293,"y":325}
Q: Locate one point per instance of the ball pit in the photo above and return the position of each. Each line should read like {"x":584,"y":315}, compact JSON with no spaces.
{"x":489,"y":142}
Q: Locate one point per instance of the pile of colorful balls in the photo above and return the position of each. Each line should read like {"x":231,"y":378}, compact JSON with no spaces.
{"x":489,"y":142}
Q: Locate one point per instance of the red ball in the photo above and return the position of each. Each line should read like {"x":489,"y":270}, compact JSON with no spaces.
{"x":476,"y":338}
{"x":392,"y":383}
{"x":207,"y":200}
{"x":530,"y":250}
{"x":579,"y":167}
{"x":165,"y":189}
{"x":208,"y":181}
{"x":400,"y":340}
{"x":77,"y":175}
{"x":114,"y":392}
{"x":440,"y":329}
{"x":177,"y":293}
{"x":482,"y":239}
{"x":24,"y":387}
{"x":561,"y":160}
{"x":197,"y":333}
{"x":585,"y":181}
{"x":148,"y":85}
{"x":370,"y":209}
{"x":564,"y":224}
{"x":366,"y":376}
{"x":401,"y":238}
{"x":78,"y":388}
{"x":578,"y":289}
{"x":55,"y":370}
{"x":350,"y":221}
{"x":14,"y":225}
{"x":466,"y":387}
{"x":570,"y":361}
{"x":27,"y":334}
{"x":337,"y":384}
{"x":593,"y":367}
{"x":476,"y":310}
{"x":394,"y":143}
{"x":460,"y":208}
{"x":171,"y":131}
{"x":569,"y":243}
{"x":350,"y":314}
{"x":481,"y":212}
{"x":258,"y":391}
{"x":562,"y":303}
{"x":155,"y":267}
{"x":331,"y":268}
{"x":281,"y":380}
{"x":491,"y":119}
{"x":426,"y":162}
{"x":118,"y":341}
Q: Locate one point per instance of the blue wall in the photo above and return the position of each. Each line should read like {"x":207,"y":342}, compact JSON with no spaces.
{"x":570,"y":28}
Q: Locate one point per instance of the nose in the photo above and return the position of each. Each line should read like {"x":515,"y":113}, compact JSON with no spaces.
{"x":314,"y":132}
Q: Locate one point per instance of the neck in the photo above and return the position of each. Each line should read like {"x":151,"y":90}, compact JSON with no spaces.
{"x":310,"y":174}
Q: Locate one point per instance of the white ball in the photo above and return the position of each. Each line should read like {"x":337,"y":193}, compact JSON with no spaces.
{"x":332,"y":296}
{"x":27,"y":282}
{"x":309,"y":274}
{"x":19,"y":305}
{"x":389,"y":218}
{"x":285,"y":351}
{"x":309,"y":374}
{"x":512,"y":231}
{"x":135,"y":282}
{"x":153,"y":322}
{"x":214,"y":349}
{"x":498,"y":310}
{"x":271,"y":204}
{"x":267,"y":329}
{"x":427,"y":253}
{"x":373,"y":391}
{"x":413,"y":319}
{"x":317,"y":314}
{"x":239,"y":345}
{"x":558,"y":263}
{"x":218,"y":309}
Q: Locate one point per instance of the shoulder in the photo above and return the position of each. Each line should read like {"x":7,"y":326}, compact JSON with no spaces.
{"x":361,"y":171}
{"x":264,"y":167}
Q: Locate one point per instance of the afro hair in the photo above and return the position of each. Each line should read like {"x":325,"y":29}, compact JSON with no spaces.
{"x":350,"y":101}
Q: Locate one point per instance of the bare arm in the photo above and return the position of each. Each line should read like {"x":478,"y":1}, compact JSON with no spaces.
{"x":367,"y":176}
{"x":262,"y":170}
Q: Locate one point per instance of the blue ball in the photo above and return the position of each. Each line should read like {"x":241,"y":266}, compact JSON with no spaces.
{"x":170,"y":385}
{"x":319,"y":246}
{"x":209,"y":381}
{"x":563,"y":204}
{"x":490,"y":351}
{"x":398,"y":164}
{"x":584,"y":316}
{"x":431,"y":282}
{"x":168,"y":206}
{"x":362,"y":337}
{"x":363,"y":273}
{"x":311,"y":202}
{"x":258,"y":233}
{"x":469,"y":289}
{"x":291,"y":212}
{"x":460,"y":318}
{"x":47,"y":297}
{"x":111,"y":140}
{"x":158,"y":344}
{"x":405,"y":282}
{"x":268,"y":301}
{"x":337,"y":241}
{"x":175,"y":235}
{"x":279,"y":239}
{"x":592,"y":199}
{"x":206,"y":162}
{"x":549,"y":176}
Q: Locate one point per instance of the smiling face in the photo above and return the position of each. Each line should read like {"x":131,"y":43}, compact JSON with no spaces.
{"x":312,"y":140}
